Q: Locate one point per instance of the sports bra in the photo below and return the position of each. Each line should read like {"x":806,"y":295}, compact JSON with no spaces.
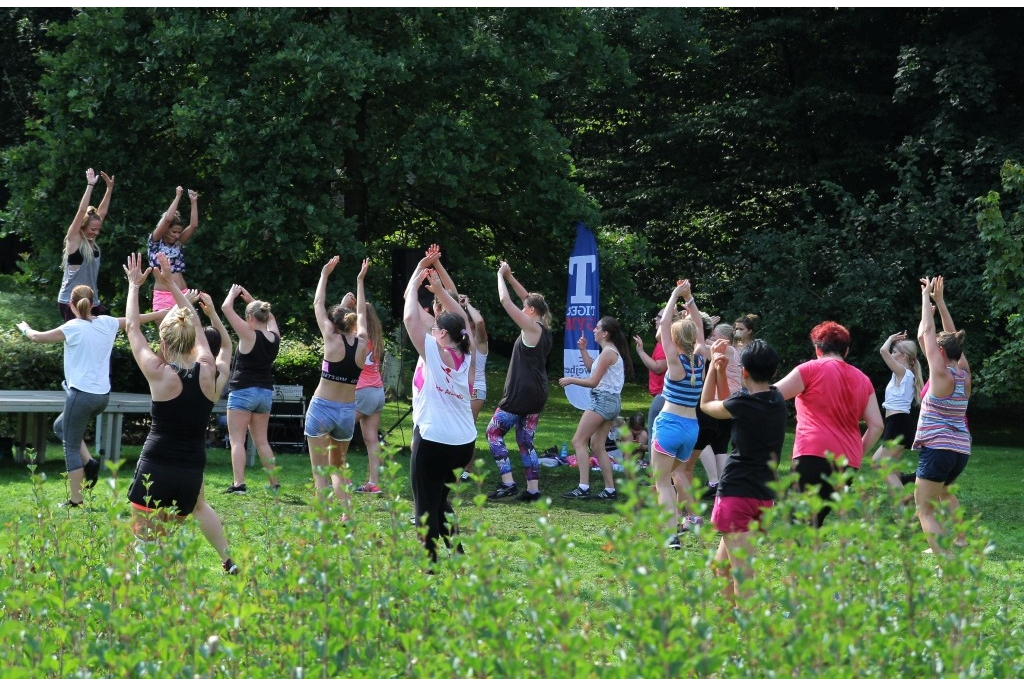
{"x":344,"y":370}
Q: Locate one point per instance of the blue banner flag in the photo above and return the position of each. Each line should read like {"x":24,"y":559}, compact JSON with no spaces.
{"x":582,"y":312}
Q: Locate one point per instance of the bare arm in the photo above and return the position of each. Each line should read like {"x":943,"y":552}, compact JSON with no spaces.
{"x":224,"y":355}
{"x":655,"y":366}
{"x":193,"y":223}
{"x":604,"y":361}
{"x":691,"y":308}
{"x":873,"y":418}
{"x":792,"y":385}
{"x":713,"y":385}
{"x":104,"y":207}
{"x":890,"y":361}
{"x":938,"y":294}
{"x":148,"y":362}
{"x":73,"y":238}
{"x":165,"y":221}
{"x":51,"y":336}
{"x":524,"y":322}
{"x":207,"y":369}
{"x":414,"y":323}
{"x":362,"y":331}
{"x":581,"y":344}
{"x":520,"y":291}
{"x":242,"y":329}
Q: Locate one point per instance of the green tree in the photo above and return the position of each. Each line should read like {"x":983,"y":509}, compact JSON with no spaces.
{"x":310,"y":133}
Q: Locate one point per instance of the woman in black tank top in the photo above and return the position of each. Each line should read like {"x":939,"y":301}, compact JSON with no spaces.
{"x":185,"y":381}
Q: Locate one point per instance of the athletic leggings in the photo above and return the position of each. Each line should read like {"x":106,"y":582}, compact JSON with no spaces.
{"x":501,"y":423}
{"x":433,"y":466}
{"x":79,"y":409}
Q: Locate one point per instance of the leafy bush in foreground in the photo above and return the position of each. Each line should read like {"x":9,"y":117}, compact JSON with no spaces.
{"x":318,"y":598}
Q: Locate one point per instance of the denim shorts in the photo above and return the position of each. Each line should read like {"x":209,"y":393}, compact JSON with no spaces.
{"x":479,"y":394}
{"x":369,"y":401}
{"x":607,"y":405}
{"x":940,"y":466}
{"x":337,"y":419}
{"x":255,"y":400}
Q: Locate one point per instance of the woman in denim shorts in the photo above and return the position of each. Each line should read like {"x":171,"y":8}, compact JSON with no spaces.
{"x":331,"y":415}
{"x":252,"y":384}
{"x":607,"y":376}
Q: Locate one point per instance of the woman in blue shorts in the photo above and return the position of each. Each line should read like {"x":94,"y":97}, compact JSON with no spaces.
{"x":252,"y":384}
{"x":942,"y":436}
{"x":675,"y":428}
{"x":331,"y":415}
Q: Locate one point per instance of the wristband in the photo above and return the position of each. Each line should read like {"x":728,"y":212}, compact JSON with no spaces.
{"x":90,"y":184}
{"x":689,"y":301}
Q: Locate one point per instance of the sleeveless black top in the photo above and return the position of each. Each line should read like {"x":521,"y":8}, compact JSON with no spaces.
{"x":177,"y":435}
{"x":344,"y":371}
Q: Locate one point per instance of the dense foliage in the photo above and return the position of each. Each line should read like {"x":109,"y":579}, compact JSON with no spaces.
{"x":799,"y":163}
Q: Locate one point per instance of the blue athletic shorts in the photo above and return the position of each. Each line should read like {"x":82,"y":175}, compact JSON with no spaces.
{"x":675,"y":435}
{"x":324,"y":417}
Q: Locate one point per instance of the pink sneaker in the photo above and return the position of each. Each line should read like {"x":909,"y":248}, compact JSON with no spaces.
{"x":368,"y":489}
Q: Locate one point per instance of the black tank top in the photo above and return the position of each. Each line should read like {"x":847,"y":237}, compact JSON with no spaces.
{"x":255,"y":368}
{"x":344,"y":371}
{"x":177,"y":435}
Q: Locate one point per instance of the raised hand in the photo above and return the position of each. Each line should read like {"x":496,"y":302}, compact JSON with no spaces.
{"x":364,"y":269}
{"x":206,"y":302}
{"x":582,"y":343}
{"x":193,"y":195}
{"x":133,"y":270}
{"x":433,"y":281}
{"x":504,"y":269}
{"x":639,"y":343}
{"x":719,"y":357}
{"x":109,"y":180}
{"x":90,"y":176}
{"x":233,"y":292}
{"x":432,"y":254}
{"x":178,"y":191}
{"x":329,"y":266}
{"x":163,"y":270}
{"x":246,"y":297}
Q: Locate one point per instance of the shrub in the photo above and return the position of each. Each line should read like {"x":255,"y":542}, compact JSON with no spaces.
{"x":318,"y":598}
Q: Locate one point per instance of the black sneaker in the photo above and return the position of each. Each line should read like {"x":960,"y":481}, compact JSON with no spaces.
{"x":236,"y":490}
{"x":577,"y":493}
{"x":527,"y":496}
{"x":503,"y":491}
{"x":604,"y":494}
{"x":71,"y":504}
{"x":673,"y":543}
{"x":92,"y":472}
{"x":230,"y":567}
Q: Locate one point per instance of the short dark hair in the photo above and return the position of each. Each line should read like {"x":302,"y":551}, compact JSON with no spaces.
{"x":213,"y":339}
{"x":760,"y":360}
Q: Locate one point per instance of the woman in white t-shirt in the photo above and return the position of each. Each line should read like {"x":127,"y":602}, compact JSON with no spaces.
{"x":902,"y":392}
{"x":444,"y":435}
{"x":88,"y":341}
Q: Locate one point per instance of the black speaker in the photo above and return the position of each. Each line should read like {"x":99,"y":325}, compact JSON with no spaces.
{"x":403,"y":264}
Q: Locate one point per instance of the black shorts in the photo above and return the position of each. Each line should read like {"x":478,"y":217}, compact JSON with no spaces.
{"x":900,"y":426}
{"x":169,"y":486}
{"x":721,"y":442}
{"x":940,"y":466}
{"x":708,"y":431}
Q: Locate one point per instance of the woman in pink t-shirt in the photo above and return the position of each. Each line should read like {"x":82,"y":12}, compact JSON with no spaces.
{"x":832,"y":397}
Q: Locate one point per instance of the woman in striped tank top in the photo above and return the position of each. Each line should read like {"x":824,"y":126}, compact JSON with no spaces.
{"x":942,"y":436}
{"x":675,"y":428}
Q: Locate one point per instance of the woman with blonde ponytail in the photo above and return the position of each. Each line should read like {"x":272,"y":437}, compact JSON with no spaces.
{"x":675,"y":428}
{"x":185,"y":380}
{"x":902,"y":392}
{"x":252,"y":383}
{"x":81,"y":260}
{"x":331,"y":415}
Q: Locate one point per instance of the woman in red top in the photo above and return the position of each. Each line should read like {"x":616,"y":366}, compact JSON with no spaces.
{"x":832,"y":397}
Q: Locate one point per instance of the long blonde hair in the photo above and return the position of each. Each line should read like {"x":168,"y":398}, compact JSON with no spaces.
{"x":909,"y":350}
{"x":87,"y":247}
{"x":684,"y":335}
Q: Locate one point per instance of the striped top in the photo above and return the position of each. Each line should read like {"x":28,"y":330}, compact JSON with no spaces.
{"x":684,"y":393}
{"x":942,"y":423}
